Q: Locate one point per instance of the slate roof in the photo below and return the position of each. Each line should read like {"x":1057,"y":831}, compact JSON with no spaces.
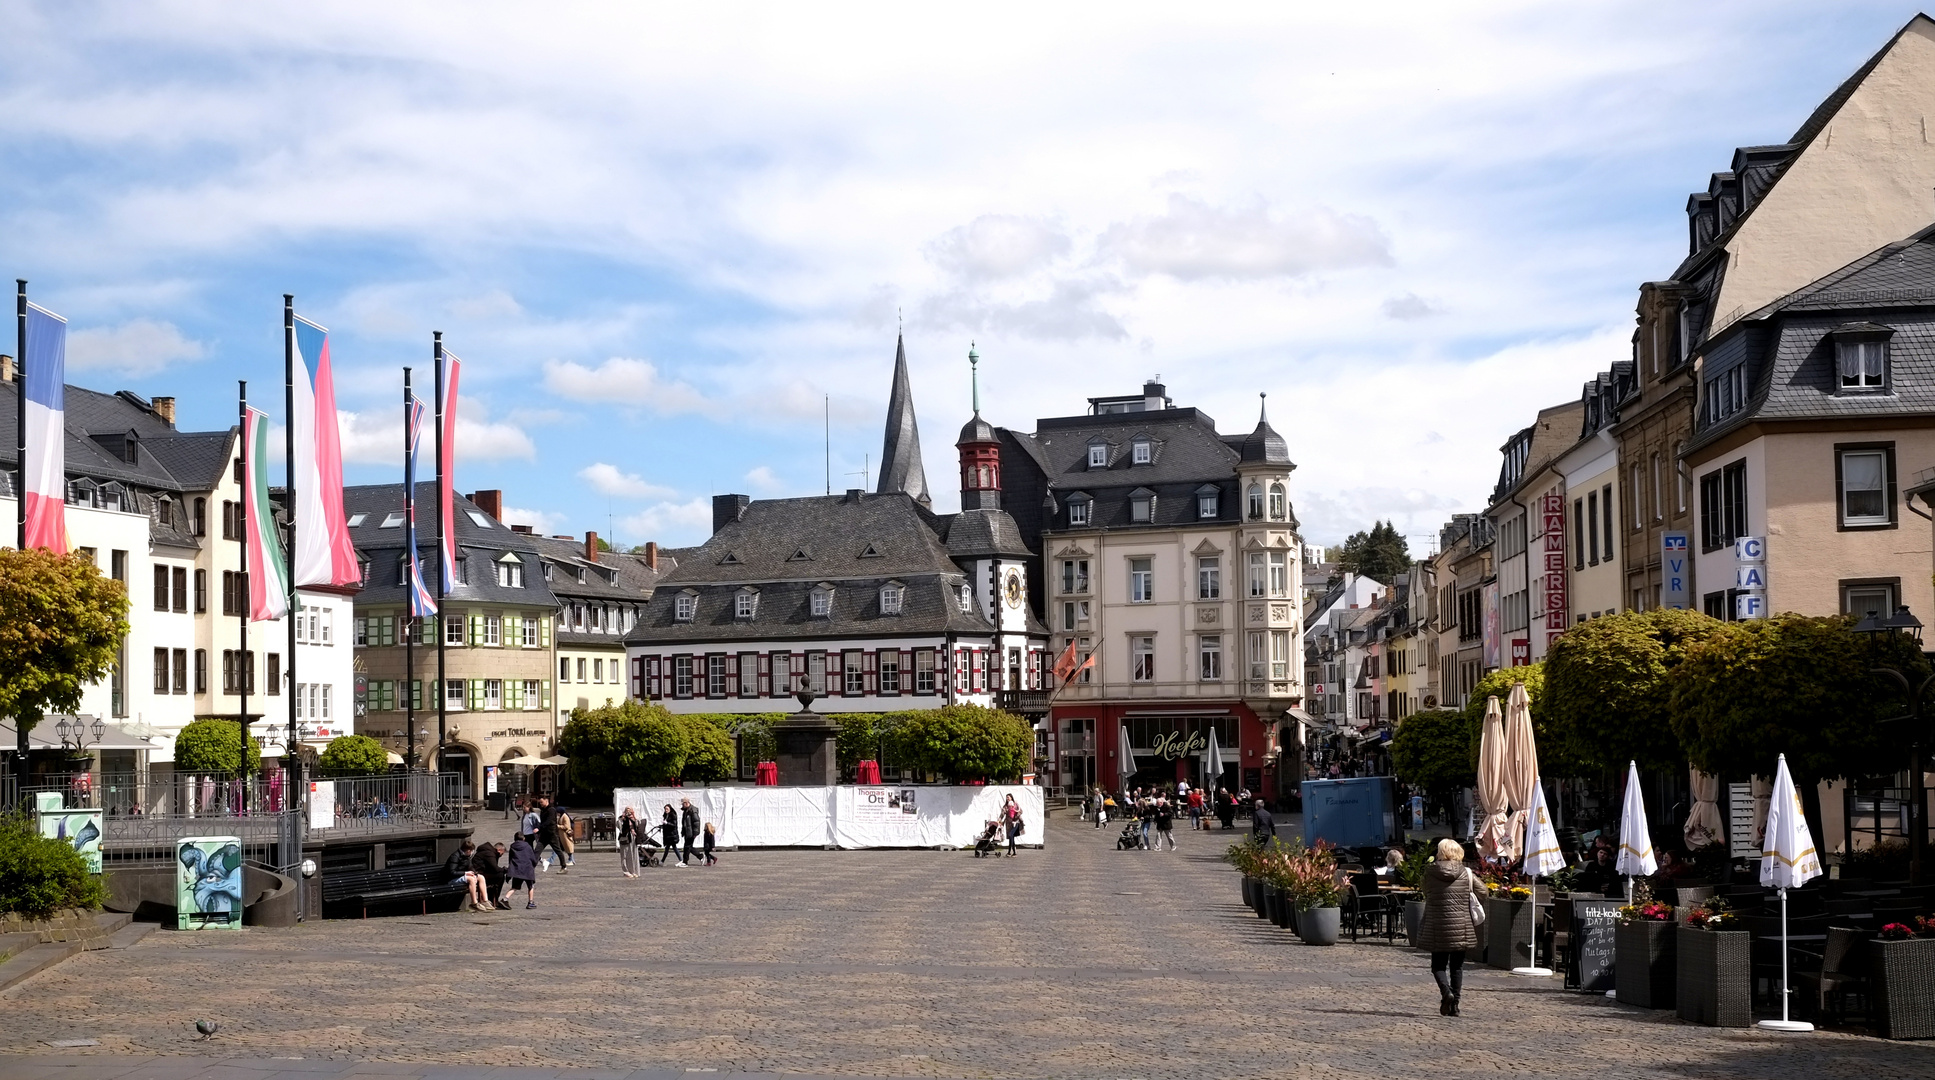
{"x":481,"y":545}
{"x":821,"y":537}
{"x":900,"y":464}
{"x":618,"y":578}
{"x":165,"y":459}
{"x":1789,"y":355}
{"x":976,"y":533}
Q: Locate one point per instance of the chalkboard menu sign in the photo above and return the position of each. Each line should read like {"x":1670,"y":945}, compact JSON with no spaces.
{"x":1592,"y":942}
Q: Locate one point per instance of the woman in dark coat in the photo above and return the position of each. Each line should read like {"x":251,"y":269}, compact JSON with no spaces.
{"x":689,"y":826}
{"x":1448,"y":927}
{"x":668,"y":830}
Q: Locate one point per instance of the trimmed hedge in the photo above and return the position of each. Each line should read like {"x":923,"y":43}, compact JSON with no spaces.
{"x":39,"y":876}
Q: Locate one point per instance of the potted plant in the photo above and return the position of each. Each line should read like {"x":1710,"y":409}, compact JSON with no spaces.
{"x":1411,"y":875}
{"x":1316,"y":894}
{"x":1244,"y":857}
{"x":1713,"y":963}
{"x":1903,"y":976}
{"x":1644,"y":964}
{"x":1509,"y":912}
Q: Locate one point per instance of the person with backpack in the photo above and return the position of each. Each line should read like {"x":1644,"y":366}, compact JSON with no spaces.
{"x":524,"y":872}
{"x":1011,"y":819}
{"x":689,"y":828}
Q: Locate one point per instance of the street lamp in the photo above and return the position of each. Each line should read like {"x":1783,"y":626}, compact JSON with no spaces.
{"x":73,"y":733}
{"x":1905,"y":624}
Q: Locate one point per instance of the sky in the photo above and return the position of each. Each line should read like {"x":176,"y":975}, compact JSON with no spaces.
{"x":674,"y":244}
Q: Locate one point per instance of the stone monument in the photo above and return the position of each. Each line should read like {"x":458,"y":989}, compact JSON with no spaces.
{"x":806,"y":754}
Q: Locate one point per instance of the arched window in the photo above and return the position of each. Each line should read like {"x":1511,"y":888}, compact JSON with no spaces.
{"x":1278,"y":502}
{"x":1256,"y":501}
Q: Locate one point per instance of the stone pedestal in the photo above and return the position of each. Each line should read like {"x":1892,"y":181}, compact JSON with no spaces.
{"x":806,"y":753}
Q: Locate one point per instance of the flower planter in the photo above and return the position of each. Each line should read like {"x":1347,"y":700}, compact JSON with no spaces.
{"x":1645,"y":969}
{"x":1319,"y":925}
{"x":1903,"y":973}
{"x":1286,"y":911}
{"x":1292,"y":913}
{"x":1249,"y":892}
{"x":1508,"y":933}
{"x":1271,"y":895}
{"x":1714,"y":985}
{"x":1413,"y":921}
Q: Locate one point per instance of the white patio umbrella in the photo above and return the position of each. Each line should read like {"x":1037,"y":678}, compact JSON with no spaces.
{"x":1521,"y":763}
{"x":1542,"y":856}
{"x":1124,"y":759}
{"x":1635,"y":839}
{"x":1787,"y":861}
{"x":1493,"y":795}
{"x":1212,"y":764}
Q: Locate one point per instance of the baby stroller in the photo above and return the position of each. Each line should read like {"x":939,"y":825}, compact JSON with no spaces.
{"x":986,"y":844}
{"x":1131,"y":838}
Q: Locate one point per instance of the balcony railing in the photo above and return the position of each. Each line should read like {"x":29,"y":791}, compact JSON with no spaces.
{"x":1024,"y":702}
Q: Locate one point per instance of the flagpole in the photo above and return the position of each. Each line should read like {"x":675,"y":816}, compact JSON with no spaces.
{"x":20,"y":487}
{"x":247,"y":662}
{"x":436,"y":346}
{"x":289,"y":464}
{"x":409,"y":651}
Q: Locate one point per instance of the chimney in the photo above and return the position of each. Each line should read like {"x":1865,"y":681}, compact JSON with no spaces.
{"x":1155,"y":396}
{"x":6,"y":369}
{"x":490,"y":502}
{"x":651,"y":554}
{"x":164,"y":407}
{"x":525,"y":529}
{"x":854,"y":494}
{"x":591,"y":547}
{"x":727,"y":509}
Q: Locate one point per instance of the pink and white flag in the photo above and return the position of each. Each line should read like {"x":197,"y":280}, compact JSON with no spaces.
{"x":323,"y":553}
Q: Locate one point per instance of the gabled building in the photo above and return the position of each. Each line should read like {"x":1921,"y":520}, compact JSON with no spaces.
{"x":1171,"y":554}
{"x":1590,"y":471}
{"x":871,"y":602}
{"x":1528,"y":513}
{"x":600,"y":595}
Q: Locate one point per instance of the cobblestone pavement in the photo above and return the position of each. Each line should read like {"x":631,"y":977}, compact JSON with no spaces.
{"x":1074,"y":961}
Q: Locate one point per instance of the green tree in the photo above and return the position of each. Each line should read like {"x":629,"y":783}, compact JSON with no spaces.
{"x":1434,"y":751}
{"x":1557,"y":755}
{"x":1380,"y":554}
{"x":1608,"y":685}
{"x":1796,"y":685}
{"x":60,"y":624}
{"x":967,"y":742}
{"x":353,"y":755}
{"x":628,"y":744}
{"x":709,"y":749}
{"x":212,"y":745}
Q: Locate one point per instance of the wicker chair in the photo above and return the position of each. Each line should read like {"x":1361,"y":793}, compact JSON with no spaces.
{"x":1688,"y":897}
{"x":1842,"y":968}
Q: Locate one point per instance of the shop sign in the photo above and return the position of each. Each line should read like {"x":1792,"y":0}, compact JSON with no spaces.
{"x":1750,"y":574}
{"x":1521,"y":651}
{"x":1552,"y":522}
{"x":1674,"y":559}
{"x":1175,"y":745}
{"x":517,"y":733}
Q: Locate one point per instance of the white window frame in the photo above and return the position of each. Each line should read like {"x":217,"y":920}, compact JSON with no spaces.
{"x":1141,"y":452}
{"x":1142,"y":509}
{"x":1209,"y":577}
{"x":967,"y":599}
{"x":1869,"y":372}
{"x":453,"y":630}
{"x":1206,"y":506}
{"x":1098,"y":455}
{"x":822,"y":603}
{"x":1880,"y":517}
{"x":1255,"y":499}
{"x":1142,"y":581}
{"x":1258,"y":574}
{"x":890,"y":599}
{"x":533,"y":697}
{"x":1078,"y":511}
{"x":493,"y":695}
{"x":745,"y":605}
{"x":1142,"y":658}
{"x":1209,"y":658}
{"x":1279,"y":501}
{"x":684,"y":608}
{"x":1279,"y":573}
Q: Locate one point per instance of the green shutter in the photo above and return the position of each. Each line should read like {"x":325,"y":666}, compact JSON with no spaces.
{"x":513,"y":632}
{"x":474,"y":694}
{"x":416,"y":694}
{"x":544,"y":633}
{"x":547,"y":694}
{"x":476,"y":627}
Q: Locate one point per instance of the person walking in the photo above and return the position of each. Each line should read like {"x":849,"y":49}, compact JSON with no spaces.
{"x":1263,"y":827}
{"x":1448,"y":930}
{"x":524,"y":860}
{"x":1011,"y":822}
{"x":1196,"y":808}
{"x":668,"y":832}
{"x":547,"y":836}
{"x":1165,"y":815}
{"x":566,"y":841}
{"x":630,"y":831}
{"x":711,"y":844}
{"x":1104,"y":804}
{"x":527,"y":827}
{"x":688,"y":827}
{"x":1145,"y":811}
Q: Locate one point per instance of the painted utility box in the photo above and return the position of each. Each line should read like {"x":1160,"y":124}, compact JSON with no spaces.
{"x":81,"y":828}
{"x":208,"y":883}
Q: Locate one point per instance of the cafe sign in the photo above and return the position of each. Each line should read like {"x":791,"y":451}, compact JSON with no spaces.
{"x":1176,"y":745}
{"x":518,"y":733}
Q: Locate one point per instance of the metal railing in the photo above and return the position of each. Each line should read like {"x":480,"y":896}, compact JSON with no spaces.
{"x":373,"y":803}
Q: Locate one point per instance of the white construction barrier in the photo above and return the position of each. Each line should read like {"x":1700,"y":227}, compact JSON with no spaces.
{"x":847,"y":816}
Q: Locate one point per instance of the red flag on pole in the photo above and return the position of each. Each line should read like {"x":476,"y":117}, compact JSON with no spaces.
{"x":1065,"y":663}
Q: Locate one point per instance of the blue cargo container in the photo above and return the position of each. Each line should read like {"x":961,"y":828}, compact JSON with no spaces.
{"x":1360,"y":811}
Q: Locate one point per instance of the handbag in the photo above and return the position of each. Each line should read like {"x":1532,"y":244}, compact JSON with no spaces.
{"x":1477,"y":905}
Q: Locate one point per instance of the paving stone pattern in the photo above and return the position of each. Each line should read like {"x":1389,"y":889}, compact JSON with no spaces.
{"x":1073,"y":961}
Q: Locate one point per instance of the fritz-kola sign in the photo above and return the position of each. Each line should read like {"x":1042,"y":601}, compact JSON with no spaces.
{"x":1174,"y":745}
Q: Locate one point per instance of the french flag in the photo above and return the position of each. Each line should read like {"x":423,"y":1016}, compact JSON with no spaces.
{"x":45,"y":353}
{"x":324,"y":554}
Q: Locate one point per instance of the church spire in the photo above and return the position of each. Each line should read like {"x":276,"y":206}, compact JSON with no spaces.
{"x":900,"y":467}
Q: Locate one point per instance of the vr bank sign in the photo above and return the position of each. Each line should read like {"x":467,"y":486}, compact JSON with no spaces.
{"x":1675,"y":564}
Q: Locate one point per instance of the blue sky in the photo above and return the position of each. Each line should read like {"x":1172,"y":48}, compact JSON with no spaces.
{"x":664,"y":239}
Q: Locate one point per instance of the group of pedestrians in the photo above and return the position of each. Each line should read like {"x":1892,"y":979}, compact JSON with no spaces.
{"x":638,"y":847}
{"x":1155,"y":810}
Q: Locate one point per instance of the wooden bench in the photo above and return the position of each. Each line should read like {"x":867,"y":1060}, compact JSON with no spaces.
{"x":422,"y":884}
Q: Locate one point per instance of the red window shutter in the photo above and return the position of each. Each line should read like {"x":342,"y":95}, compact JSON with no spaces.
{"x":868,"y":664}
{"x":638,"y":676}
{"x":732,"y":674}
{"x":906,"y":671}
{"x":651,"y":673}
{"x":765,"y":681}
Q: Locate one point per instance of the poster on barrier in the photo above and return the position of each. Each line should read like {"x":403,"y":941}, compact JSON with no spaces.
{"x":880,"y":817}
{"x":322,"y":804}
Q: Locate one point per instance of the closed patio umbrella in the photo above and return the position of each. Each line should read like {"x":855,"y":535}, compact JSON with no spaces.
{"x":1636,"y":858}
{"x":1493,"y":796}
{"x":1787,"y":861}
{"x":1213,"y":764}
{"x":1124,"y":758}
{"x":1542,"y":857}
{"x":1521,"y":762}
{"x":1703,"y":824}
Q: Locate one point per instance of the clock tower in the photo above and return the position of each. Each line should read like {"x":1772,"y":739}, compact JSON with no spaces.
{"x":985,"y":541}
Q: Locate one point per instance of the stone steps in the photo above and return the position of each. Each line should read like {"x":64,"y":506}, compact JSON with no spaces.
{"x":26,"y":954}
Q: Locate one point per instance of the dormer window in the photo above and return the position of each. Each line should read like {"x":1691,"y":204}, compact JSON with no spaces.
{"x":967,"y":598}
{"x":1078,"y":506}
{"x":510,"y":572}
{"x":1141,"y":452}
{"x":1861,"y":358}
{"x":1098,"y":455}
{"x":1142,"y":506}
{"x":684,"y":606}
{"x":392,"y":521}
{"x":1208,"y":501}
{"x":1255,"y":499}
{"x":1279,"y":501}
{"x":746,"y":604}
{"x":890,"y":597}
{"x":356,"y":520}
{"x":1726,"y":393}
{"x":822,"y":602}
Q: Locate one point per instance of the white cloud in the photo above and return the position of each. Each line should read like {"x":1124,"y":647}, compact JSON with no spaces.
{"x":624,"y":381}
{"x":609,"y":480}
{"x":376,"y":438}
{"x":997,"y":246}
{"x":136,"y":347}
{"x":1407,"y":306}
{"x":1195,"y":241}
{"x":763,"y":481}
{"x":542,"y":522}
{"x":674,"y":524}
